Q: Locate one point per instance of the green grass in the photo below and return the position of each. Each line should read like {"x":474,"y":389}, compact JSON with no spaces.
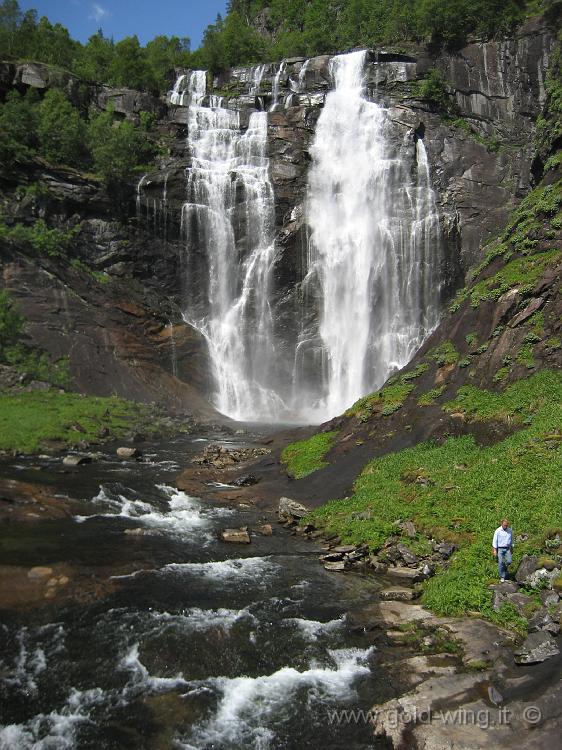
{"x":444,"y":354}
{"x":459,"y":490}
{"x":520,"y":402}
{"x":306,"y":456}
{"x":29,"y":419}
{"x":521,"y":272}
{"x":385,"y":402}
{"x":427,"y":399}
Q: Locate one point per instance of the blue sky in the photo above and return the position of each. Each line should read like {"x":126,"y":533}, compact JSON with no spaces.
{"x":119,"y":18}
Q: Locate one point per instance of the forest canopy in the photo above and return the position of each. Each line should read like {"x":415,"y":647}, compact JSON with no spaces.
{"x":259,"y":31}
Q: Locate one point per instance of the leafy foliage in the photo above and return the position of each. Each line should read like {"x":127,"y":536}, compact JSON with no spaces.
{"x":18,"y":121}
{"x":117,"y":148}
{"x":61,"y":131}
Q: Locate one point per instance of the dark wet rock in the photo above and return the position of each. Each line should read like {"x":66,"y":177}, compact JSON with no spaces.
{"x":290,"y":510}
{"x":407,"y":555}
{"x":406,"y":575}
{"x":74,"y":460}
{"x":542,"y":620}
{"x":235,"y":536}
{"x":377,"y":566}
{"x":125,"y":452}
{"x":220,"y":457}
{"x":445,"y":549}
{"x":398,"y":594}
{"x":536,"y":648}
{"x":526,"y":568}
{"x":333,"y":557}
{"x":246,"y":480}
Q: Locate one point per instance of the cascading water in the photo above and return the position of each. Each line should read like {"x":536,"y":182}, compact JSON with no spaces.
{"x":372,"y":276}
{"x":373,"y":258}
{"x":228,"y":224}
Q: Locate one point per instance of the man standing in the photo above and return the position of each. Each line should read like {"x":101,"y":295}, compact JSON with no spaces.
{"x":502,"y":547}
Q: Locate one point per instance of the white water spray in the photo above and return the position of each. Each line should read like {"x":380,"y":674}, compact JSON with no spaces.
{"x":373,"y":254}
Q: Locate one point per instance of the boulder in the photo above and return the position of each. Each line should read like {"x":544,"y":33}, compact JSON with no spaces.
{"x":526,"y":568}
{"x":543,"y":576}
{"x":265,"y":529}
{"x":75,"y":460}
{"x":39,"y":572}
{"x":235,"y":536}
{"x":128,"y":452}
{"x":501,"y":592}
{"x":407,"y":555}
{"x":445,"y":549}
{"x":398,"y":594}
{"x":290,"y":510}
{"x":542,"y":620}
{"x":536,"y":648}
{"x":336,"y":566}
{"x":407,"y":575}
{"x":246,"y":480}
{"x":409,"y":529}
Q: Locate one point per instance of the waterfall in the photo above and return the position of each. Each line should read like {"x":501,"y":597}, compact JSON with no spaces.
{"x":276,"y":81}
{"x":371,"y":287}
{"x":189,"y":89}
{"x":228,"y":223}
{"x":373,"y":257}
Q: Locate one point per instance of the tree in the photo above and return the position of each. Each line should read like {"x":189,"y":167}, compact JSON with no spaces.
{"x":129,"y":66}
{"x":10,"y":18}
{"x":94,"y":59}
{"x":60,"y":129}
{"x":163,"y":54}
{"x":117,"y":148}
{"x":18,"y":125}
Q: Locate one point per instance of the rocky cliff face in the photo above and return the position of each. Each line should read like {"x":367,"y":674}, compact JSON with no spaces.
{"x":480,"y":154}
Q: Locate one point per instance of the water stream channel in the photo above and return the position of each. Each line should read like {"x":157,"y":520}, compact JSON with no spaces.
{"x":187,"y":642}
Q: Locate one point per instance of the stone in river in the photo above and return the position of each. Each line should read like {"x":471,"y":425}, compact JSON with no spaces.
{"x":235,"y":536}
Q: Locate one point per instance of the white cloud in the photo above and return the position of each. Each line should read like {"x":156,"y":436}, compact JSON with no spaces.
{"x":98,"y":12}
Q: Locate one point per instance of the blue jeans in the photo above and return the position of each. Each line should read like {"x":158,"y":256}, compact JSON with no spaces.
{"x":504,"y":560}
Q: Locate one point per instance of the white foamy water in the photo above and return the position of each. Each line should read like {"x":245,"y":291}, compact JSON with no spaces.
{"x":185,"y":514}
{"x":374,"y":246}
{"x":56,"y":730}
{"x":203,"y":619}
{"x":248,"y":705}
{"x":249,"y":569}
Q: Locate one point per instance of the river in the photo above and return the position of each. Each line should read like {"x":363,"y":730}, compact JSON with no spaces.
{"x":179,"y":640}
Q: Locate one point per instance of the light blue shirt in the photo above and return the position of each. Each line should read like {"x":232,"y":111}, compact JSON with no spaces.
{"x":503,"y":537}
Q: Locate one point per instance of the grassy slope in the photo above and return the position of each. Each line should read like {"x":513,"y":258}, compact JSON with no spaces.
{"x":28,"y":420}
